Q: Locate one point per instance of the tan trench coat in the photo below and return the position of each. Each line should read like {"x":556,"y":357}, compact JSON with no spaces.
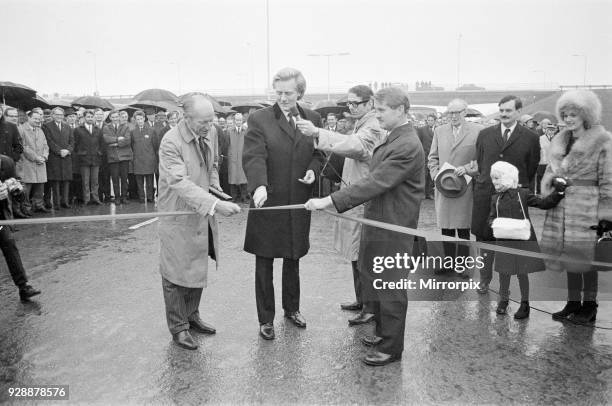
{"x":183,"y":185}
{"x":453,"y":212}
{"x":34,"y":145}
{"x":357,"y":148}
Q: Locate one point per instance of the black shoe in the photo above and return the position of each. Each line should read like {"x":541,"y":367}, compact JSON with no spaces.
{"x":296,"y":318}
{"x":18,"y":214}
{"x":483,"y":289}
{"x":184,"y":339}
{"x":586,"y":314}
{"x":96,"y":202}
{"x":351,"y":306}
{"x":202,"y":327}
{"x":523,"y":311}
{"x":26,"y":212}
{"x":48,"y":206}
{"x":66,"y":206}
{"x":362,"y":318}
{"x":27,"y":292}
{"x":378,"y":359}
{"x":266,"y":330}
{"x":570,"y":308}
{"x":502,"y":307}
{"x":371,"y":341}
{"x":42,"y":209}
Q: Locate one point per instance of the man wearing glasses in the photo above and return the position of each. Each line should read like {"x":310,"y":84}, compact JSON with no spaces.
{"x":454,"y":143}
{"x":357,"y":149}
{"x":280,"y":164}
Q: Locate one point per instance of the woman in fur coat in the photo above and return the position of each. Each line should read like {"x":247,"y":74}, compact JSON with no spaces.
{"x":581,"y":153}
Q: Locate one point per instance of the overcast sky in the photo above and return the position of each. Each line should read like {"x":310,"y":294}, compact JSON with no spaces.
{"x":220,"y":46}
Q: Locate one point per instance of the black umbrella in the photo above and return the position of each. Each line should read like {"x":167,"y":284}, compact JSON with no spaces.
{"x":13,"y":94}
{"x":219,"y":109}
{"x":246,"y":107}
{"x":156,"y":105}
{"x":155,"y":95}
{"x":93,"y":102}
{"x":337,"y":110}
{"x":59,"y":103}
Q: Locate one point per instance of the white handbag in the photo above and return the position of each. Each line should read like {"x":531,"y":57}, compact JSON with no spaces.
{"x":505,"y":228}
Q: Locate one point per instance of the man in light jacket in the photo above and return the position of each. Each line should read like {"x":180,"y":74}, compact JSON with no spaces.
{"x":357,"y":149}
{"x":188,"y":169}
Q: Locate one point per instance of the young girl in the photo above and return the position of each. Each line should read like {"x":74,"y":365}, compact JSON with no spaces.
{"x":512,"y":202}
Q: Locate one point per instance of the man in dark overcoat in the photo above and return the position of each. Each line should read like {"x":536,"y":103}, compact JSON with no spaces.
{"x":510,"y":142}
{"x":59,"y":165}
{"x":280,"y":164}
{"x":394,"y":189}
{"x":89,"y":148}
{"x":426,"y":135}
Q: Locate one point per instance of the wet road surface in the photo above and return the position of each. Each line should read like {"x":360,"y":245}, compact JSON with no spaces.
{"x":99,"y":326}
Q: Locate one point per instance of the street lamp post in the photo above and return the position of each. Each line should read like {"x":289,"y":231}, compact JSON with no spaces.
{"x":328,"y":67}
{"x":96,"y":93}
{"x":585,"y":68}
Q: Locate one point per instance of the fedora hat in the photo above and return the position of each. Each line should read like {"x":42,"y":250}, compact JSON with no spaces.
{"x":449,"y":184}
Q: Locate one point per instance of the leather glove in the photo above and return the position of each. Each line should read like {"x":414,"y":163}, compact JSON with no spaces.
{"x":560,"y":183}
{"x":604,"y":226}
{"x":3,"y":191}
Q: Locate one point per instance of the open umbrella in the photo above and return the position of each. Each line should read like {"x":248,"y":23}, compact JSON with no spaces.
{"x":541,"y":115}
{"x":246,"y":107}
{"x":219,"y":109}
{"x":156,"y":105}
{"x":155,"y":95}
{"x":14,"y":94}
{"x":93,"y":102}
{"x":337,"y":110}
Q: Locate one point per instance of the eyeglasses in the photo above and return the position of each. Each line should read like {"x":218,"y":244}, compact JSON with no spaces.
{"x":356,"y":103}
{"x":451,"y":113}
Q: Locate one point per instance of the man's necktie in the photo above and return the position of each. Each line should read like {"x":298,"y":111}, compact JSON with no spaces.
{"x":203,"y":149}
{"x":506,"y":134}
{"x":291,"y":122}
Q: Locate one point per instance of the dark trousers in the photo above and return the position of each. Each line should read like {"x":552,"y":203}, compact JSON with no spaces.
{"x":34,"y":195}
{"x":504,"y":286}
{"x":264,"y":287}
{"x":239,"y":192}
{"x":486,"y":272}
{"x":89,"y":178}
{"x":585,"y":283}
{"x":61,"y":192}
{"x":539,"y":174}
{"x":140,"y":181}
{"x":429,"y":186}
{"x":133,"y":186}
{"x":357,"y":281}
{"x":119,"y":175}
{"x":454,"y":249}
{"x":390,"y":315}
{"x":76,"y":187}
{"x":12,"y":257}
{"x":104,"y":181}
{"x":181,"y":305}
{"x":48,"y":192}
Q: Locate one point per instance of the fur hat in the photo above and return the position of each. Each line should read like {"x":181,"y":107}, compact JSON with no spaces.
{"x":506,"y":174}
{"x":585,"y":102}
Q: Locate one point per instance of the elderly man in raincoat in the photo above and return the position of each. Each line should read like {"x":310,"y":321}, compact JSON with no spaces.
{"x":188,"y":168}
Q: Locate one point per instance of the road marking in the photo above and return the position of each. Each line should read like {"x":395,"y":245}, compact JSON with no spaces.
{"x":144,"y":223}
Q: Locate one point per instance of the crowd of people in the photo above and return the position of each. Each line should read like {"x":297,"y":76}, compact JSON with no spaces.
{"x":377,"y":153}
